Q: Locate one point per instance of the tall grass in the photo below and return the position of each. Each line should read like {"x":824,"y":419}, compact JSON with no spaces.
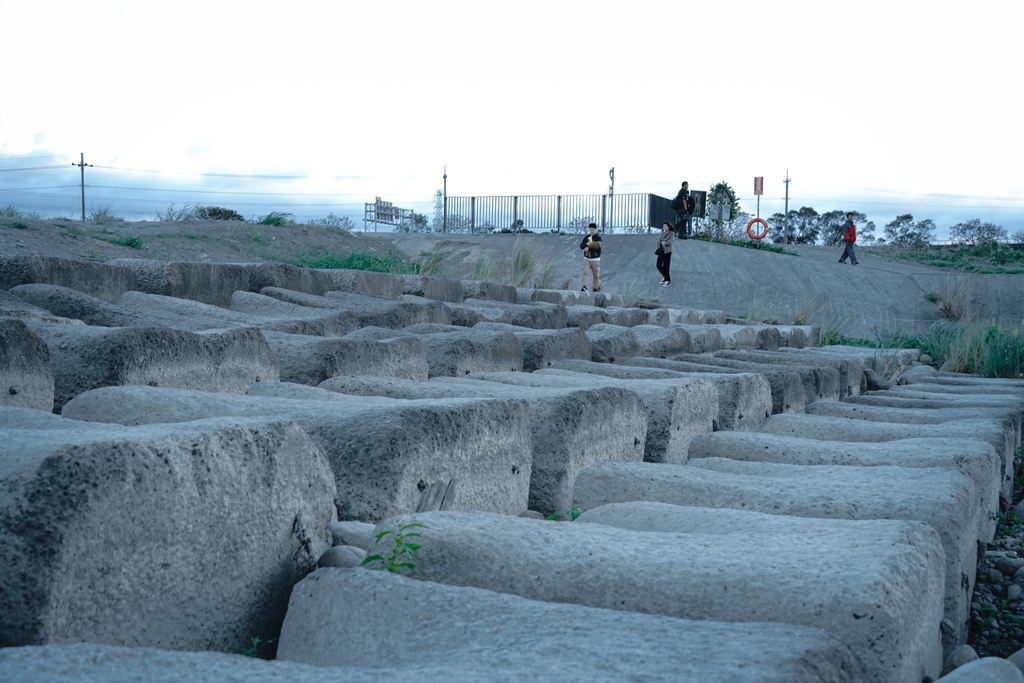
{"x":976,"y":347}
{"x":325,"y":258}
{"x":954,"y":302}
{"x":524,"y":264}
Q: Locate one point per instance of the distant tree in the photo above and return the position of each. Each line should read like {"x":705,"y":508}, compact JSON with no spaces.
{"x":976,"y":232}
{"x":780,"y":230}
{"x":1018,"y":236}
{"x":417,"y":222}
{"x":806,"y":224}
{"x":902,"y":231}
{"x":866,"y":234}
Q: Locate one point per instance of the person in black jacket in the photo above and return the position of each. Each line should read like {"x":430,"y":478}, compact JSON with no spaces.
{"x":591,"y":247}
{"x":664,"y":264}
{"x":682,"y":206}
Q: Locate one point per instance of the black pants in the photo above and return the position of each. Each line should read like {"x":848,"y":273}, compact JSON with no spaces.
{"x":664,"y":266}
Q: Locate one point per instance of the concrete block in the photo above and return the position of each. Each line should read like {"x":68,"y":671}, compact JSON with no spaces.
{"x":851,"y":372}
{"x":612,"y":343}
{"x":101,"y":280}
{"x":341,"y":619}
{"x":787,"y":388}
{"x":986,"y":670}
{"x":537,"y":315}
{"x":457,"y":351}
{"x":844,"y":429}
{"x":12,"y":306}
{"x":71,"y":303}
{"x":490,"y":291}
{"x":182,"y":537}
{"x":702,"y":576}
{"x":371,"y":311}
{"x":975,"y":458}
{"x":585,"y":316}
{"x":626,"y":317}
{"x":571,"y":427}
{"x":282,"y":316}
{"x":84,"y":357}
{"x":943,"y":497}
{"x":384,"y":285}
{"x":677,"y":410}
{"x":436,"y":288}
{"x":383,"y":451}
{"x":704,"y":338}
{"x":819,"y":382}
{"x":211,"y":283}
{"x":311,"y":360}
{"x":542,"y":348}
{"x":658,"y":341}
{"x":284,"y":276}
{"x":467,"y":316}
{"x":744,"y":400}
{"x":25,"y":377}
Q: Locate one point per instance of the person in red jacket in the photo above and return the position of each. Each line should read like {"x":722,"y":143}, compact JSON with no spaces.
{"x":849,"y":237}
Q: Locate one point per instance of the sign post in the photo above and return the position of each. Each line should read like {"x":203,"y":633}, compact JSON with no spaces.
{"x":758,"y":191}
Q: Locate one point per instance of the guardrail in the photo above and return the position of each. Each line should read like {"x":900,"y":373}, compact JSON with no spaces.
{"x":637,"y":212}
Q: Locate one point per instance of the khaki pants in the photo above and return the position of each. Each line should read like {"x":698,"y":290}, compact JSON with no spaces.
{"x":595,"y":268}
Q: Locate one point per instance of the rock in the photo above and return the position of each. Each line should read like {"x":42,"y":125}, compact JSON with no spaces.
{"x":961,"y":655}
{"x":342,"y":556}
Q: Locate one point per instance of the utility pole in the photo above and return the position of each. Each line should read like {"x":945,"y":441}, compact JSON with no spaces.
{"x":611,"y":198}
{"x":785,"y":216}
{"x":81,"y":164}
{"x":444,"y":224}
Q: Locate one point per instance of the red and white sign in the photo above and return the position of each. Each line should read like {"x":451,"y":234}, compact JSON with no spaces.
{"x":759,"y":185}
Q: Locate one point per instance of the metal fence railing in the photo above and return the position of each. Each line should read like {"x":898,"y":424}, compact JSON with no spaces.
{"x":563,"y":213}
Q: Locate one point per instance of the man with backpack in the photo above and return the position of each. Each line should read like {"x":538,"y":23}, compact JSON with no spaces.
{"x":683,"y":206}
{"x":849,"y":237}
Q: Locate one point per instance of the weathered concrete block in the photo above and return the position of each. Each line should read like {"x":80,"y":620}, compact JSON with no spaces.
{"x":797,"y":336}
{"x":371,"y":311}
{"x":107,"y":282}
{"x":819,"y":382}
{"x":943,"y":497}
{"x":571,"y":427}
{"x":385,"y":285}
{"x":537,"y":315}
{"x":293,"y":318}
{"x":184,"y":314}
{"x":311,"y":360}
{"x":490,"y":291}
{"x":382,"y":451}
{"x":170,"y":536}
{"x":25,"y":377}
{"x":71,"y":303}
{"x":340,"y":619}
{"x":436,"y":288}
{"x":744,"y":400}
{"x":704,"y":338}
{"x":467,"y":316}
{"x":677,"y":410}
{"x":626,"y":317}
{"x":12,"y":306}
{"x":211,"y":283}
{"x":455,"y":351}
{"x":692,"y":316}
{"x":284,"y":276}
{"x":749,"y":337}
{"x":975,"y":458}
{"x":658,"y":341}
{"x":612,"y":343}
{"x":84,"y":357}
{"x":844,"y":429}
{"x":585,"y":317}
{"x":986,"y":670}
{"x":697,"y":576}
{"x":851,"y":372}
{"x":527,"y":295}
{"x":542,"y":348}
{"x":787,"y":388}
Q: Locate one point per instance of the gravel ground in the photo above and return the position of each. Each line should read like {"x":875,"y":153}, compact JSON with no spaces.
{"x":997,"y":609}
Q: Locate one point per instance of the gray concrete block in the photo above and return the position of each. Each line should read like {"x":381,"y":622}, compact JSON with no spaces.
{"x":986,"y":670}
{"x":585,"y":316}
{"x":694,"y":316}
{"x":626,"y":317}
{"x":975,"y":458}
{"x":70,"y":303}
{"x":749,"y":337}
{"x":284,"y":276}
{"x":490,"y":291}
{"x":704,"y":338}
{"x":456,"y":351}
{"x":788,"y":394}
{"x":311,"y":360}
{"x":84,"y":357}
{"x":341,"y":619}
{"x":948,"y":501}
{"x":845,"y":429}
{"x":211,"y":283}
{"x":819,"y":382}
{"x":658,"y":341}
{"x":101,"y":280}
{"x":797,"y":336}
{"x":12,"y":306}
{"x":677,"y":410}
{"x":385,"y":285}
{"x":371,"y":311}
{"x":537,"y":315}
{"x":744,"y":399}
{"x":542,"y":348}
{"x":703,"y":576}
{"x":172,"y":536}
{"x":571,"y":427}
{"x":467,"y":316}
{"x":851,"y":372}
{"x":25,"y":377}
{"x":612,"y":343}
{"x":436,"y":288}
{"x":383,"y":451}
{"x":283,"y":316}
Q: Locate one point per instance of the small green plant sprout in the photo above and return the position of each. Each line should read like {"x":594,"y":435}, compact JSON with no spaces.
{"x":399,"y":557}
{"x":276,"y":218}
{"x":565,"y":515}
{"x":255,"y":645}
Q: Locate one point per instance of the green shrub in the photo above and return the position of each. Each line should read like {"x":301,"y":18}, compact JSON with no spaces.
{"x":216,"y":213}
{"x":104,"y":214}
{"x":133,"y":242}
{"x":276,"y":218}
{"x":324,"y":258}
{"x":399,"y":557}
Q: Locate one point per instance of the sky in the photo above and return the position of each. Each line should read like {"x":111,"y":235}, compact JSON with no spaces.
{"x":319,"y":106}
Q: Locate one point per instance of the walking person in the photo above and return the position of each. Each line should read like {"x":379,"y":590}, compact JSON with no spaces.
{"x":681,"y":205}
{"x":664,"y":252}
{"x":591,"y":246}
{"x":849,"y":237}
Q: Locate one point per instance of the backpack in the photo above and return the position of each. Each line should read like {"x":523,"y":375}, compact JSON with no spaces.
{"x":677,"y":203}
